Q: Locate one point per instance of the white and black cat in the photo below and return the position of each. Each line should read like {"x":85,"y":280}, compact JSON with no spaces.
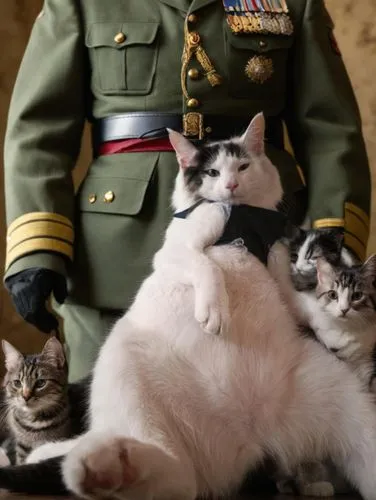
{"x":179,"y":412}
{"x":306,"y":246}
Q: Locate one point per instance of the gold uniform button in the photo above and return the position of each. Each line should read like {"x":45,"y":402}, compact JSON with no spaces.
{"x":263,"y":44}
{"x":193,"y":103}
{"x":192,"y":18}
{"x":194,"y":74}
{"x":92,"y":198}
{"x":109,"y":197}
{"x":119,"y":37}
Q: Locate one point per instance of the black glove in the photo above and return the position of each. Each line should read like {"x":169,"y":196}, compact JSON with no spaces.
{"x":30,"y":290}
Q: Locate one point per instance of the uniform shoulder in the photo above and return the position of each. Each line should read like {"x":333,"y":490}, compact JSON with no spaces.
{"x":297,"y":9}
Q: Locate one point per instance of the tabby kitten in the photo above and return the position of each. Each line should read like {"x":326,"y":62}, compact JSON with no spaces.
{"x":341,"y":312}
{"x":36,"y":398}
{"x":347,"y":321}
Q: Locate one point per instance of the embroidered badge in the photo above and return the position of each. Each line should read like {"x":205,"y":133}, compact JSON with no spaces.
{"x":258,"y":16}
{"x":333,"y":43}
{"x":259,"y":69}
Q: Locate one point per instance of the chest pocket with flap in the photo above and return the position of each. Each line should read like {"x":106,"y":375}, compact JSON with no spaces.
{"x":273,"y":51}
{"x":123,"y":56}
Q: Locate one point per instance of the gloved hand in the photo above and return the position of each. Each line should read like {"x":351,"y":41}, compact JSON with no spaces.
{"x":30,"y":290}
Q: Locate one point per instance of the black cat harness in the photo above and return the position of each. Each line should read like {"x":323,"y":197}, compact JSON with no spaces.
{"x":253,"y":227}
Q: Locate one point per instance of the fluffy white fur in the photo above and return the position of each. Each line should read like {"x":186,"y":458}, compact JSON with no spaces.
{"x":176,"y":412}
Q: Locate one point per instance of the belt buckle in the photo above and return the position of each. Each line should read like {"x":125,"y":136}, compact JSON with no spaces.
{"x":193,"y":125}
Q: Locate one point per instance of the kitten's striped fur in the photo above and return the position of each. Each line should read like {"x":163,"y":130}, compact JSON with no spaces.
{"x":36,"y":397}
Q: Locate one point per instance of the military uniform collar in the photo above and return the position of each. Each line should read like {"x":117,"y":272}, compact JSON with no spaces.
{"x":187,"y":6}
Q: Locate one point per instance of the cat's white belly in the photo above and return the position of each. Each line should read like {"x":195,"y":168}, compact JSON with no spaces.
{"x":220,"y":386}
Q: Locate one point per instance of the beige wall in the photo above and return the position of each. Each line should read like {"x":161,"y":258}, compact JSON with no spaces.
{"x":356,"y":33}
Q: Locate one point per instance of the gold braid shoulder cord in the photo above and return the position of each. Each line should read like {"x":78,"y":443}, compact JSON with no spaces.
{"x":192,"y":46}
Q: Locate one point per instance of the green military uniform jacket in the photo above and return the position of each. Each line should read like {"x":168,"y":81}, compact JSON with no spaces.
{"x":89,"y":59}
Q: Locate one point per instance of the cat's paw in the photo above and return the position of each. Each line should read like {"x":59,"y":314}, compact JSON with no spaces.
{"x":213,"y":315}
{"x":285,"y":486}
{"x":4,"y":460}
{"x":99,"y":467}
{"x":317,"y":489}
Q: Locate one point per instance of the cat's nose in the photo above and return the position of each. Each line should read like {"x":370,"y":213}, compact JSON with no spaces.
{"x":344,"y":311}
{"x":26,"y":394}
{"x":232,"y":186}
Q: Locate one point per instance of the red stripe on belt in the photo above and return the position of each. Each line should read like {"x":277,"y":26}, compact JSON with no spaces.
{"x":135,"y":146}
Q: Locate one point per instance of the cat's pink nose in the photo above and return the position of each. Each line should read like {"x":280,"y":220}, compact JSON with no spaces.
{"x":232,"y":186}
{"x":26,"y":394}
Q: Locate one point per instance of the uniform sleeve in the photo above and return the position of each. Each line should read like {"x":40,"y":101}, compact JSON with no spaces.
{"x":324,"y":127}
{"x":42,"y":143}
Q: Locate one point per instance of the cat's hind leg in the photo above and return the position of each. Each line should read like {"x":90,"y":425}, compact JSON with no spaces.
{"x":330,"y":417}
{"x":105,"y":466}
{"x":4,"y":460}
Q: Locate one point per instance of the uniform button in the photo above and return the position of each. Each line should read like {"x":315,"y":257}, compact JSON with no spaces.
{"x":262,"y":44}
{"x":208,"y":130}
{"x":193,"y":103}
{"x":109,"y":197}
{"x":119,"y":37}
{"x":92,"y":198}
{"x":194,"y":74}
{"x":192,"y":18}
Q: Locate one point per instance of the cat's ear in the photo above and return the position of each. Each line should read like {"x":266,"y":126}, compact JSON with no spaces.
{"x":296,"y":233}
{"x":184,"y":149}
{"x":369,"y":268}
{"x":253,"y":137}
{"x":13,"y":358}
{"x":53,"y":353}
{"x":325,"y":272}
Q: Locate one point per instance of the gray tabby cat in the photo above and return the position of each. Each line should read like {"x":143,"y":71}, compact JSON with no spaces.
{"x":347,"y":325}
{"x":37,"y":401}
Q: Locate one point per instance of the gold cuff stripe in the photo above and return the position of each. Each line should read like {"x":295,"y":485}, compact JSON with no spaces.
{"x":357,"y":246}
{"x":39,"y":229}
{"x":359,"y":212}
{"x":356,"y":227}
{"x":301,"y":175}
{"x":39,"y":245}
{"x":38,"y":216}
{"x":322,"y":223}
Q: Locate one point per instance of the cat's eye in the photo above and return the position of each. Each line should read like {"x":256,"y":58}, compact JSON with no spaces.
{"x":294,"y":257}
{"x":332,"y":295}
{"x":17,"y":384}
{"x":357,"y":296}
{"x":243,"y":167}
{"x":39,"y":384}
{"x":212,"y":172}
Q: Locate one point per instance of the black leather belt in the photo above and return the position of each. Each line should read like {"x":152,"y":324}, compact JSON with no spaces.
{"x":146,"y":125}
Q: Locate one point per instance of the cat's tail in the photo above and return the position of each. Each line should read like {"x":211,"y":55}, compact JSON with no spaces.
{"x":42,"y":478}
